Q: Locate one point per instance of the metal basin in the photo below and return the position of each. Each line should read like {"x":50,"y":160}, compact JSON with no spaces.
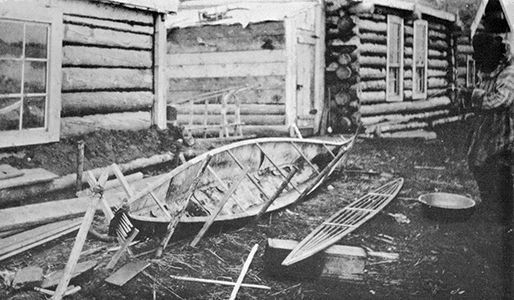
{"x":447,"y":207}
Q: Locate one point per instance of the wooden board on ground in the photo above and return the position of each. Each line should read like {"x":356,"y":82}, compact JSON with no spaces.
{"x":127,"y":272}
{"x":30,"y":176}
{"x":53,"y":278}
{"x":27,"y":277}
{"x":7,"y":171}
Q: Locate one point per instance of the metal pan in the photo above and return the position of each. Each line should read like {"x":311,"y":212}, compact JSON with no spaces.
{"x":447,"y":207}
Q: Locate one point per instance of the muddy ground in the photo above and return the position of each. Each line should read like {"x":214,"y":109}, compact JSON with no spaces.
{"x":438,"y":260}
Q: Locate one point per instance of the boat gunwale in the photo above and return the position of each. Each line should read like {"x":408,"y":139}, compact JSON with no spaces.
{"x":168,"y":176}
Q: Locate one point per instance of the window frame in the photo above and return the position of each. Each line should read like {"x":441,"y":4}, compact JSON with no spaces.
{"x":422,"y":94}
{"x":392,"y":19}
{"x":470,"y":84}
{"x":26,"y":13}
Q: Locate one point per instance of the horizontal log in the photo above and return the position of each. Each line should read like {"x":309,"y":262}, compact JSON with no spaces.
{"x":407,"y":51}
{"x":372,"y":85}
{"x":371,"y":26}
{"x":434,"y":34}
{"x":373,"y":48}
{"x":251,"y":96}
{"x":362,"y":8}
{"x":246,"y":109}
{"x":345,"y":25}
{"x":101,"y":10}
{"x":462,"y":71}
{"x":344,"y":59}
{"x":395,"y":107}
{"x":246,"y":119}
{"x":437,"y":27}
{"x":229,"y":70}
{"x":437,"y":44}
{"x":465,"y":49}
{"x":372,"y":97}
{"x":209,"y":84}
{"x":75,"y":79}
{"x":401,"y":127}
{"x":399,"y":118}
{"x":229,"y":57}
{"x":373,"y":17}
{"x":75,"y":126}
{"x":407,"y":84}
{"x":372,"y":73}
{"x":463,"y":39}
{"x":436,"y":73}
{"x":438,"y":64}
{"x":77,"y":34}
{"x":437,"y":54}
{"x":79,"y":104}
{"x":434,"y":92}
{"x":222,"y":38}
{"x":366,"y":60}
{"x":373,"y":38}
{"x":408,"y":30}
{"x":109,"y":57}
{"x":437,"y":82}
{"x":108,"y":24}
{"x":343,"y":72}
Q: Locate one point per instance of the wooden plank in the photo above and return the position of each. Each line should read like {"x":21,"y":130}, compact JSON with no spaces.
{"x":81,"y":56}
{"x":30,"y":176}
{"x":76,"y":79}
{"x":101,"y":10}
{"x":82,"y":35}
{"x":246,"y":119}
{"x":386,"y":108}
{"x":160,"y":80}
{"x":319,"y":69}
{"x":290,"y":84}
{"x":7,"y":171}
{"x":73,"y":126}
{"x":107,"y":24}
{"x":127,"y":272}
{"x":276,"y":194}
{"x":209,"y":84}
{"x":226,"y":38}
{"x":252,"y":96}
{"x":53,"y":278}
{"x":87,"y":103}
{"x":242,"y":275}
{"x":229,"y":70}
{"x":228,"y":57}
{"x":27,"y":277}
{"x":246,"y":109}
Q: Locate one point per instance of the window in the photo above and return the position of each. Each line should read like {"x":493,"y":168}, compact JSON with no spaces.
{"x":419,"y":60}
{"x":394,"y":79}
{"x":470,"y":72}
{"x":30,"y":71}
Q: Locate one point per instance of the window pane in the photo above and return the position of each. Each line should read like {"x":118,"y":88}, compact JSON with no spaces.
{"x":34,"y":112}
{"x":11,"y":39}
{"x":35,"y":77}
{"x":9,"y":113}
{"x":421,"y":44}
{"x":419,"y":80}
{"x":394,"y":81}
{"x":36,"y":41}
{"x":10,"y":77}
{"x":393,"y":43}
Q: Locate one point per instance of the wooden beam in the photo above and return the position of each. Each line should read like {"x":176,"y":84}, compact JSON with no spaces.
{"x":218,"y":209}
{"x":160,"y":80}
{"x":74,"y":126}
{"x":276,"y":194}
{"x":227,"y":70}
{"x":82,"y":35}
{"x":223,"y":58}
{"x":108,"y":24}
{"x":201,"y":280}
{"x":88,"y":103}
{"x":290,"y":74}
{"x":76,"y":79}
{"x":82,"y":56}
{"x":252,"y":179}
{"x":245,"y":268}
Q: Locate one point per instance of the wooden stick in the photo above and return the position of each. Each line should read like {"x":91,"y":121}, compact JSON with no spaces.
{"x":174,"y":222}
{"x":277,"y":194}
{"x":276,"y":166}
{"x":122,"y":249}
{"x":248,"y":174}
{"x":224,"y":186}
{"x":304,"y":157}
{"x":77,"y":248}
{"x":201,"y":280}
{"x":106,"y":209}
{"x":117,"y":172}
{"x":245,"y":268}
{"x":80,"y":165}
{"x":71,"y":290}
{"x":222,"y":203}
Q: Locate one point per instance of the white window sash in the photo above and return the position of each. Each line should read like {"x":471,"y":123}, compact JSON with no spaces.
{"x":391,"y":19}
{"x":415,"y":93}
{"x":470,"y":74}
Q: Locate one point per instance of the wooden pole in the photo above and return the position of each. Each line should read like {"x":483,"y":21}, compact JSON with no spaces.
{"x":201,"y":280}
{"x":277,"y":194}
{"x":222,"y":203}
{"x":80,"y":165}
{"x":245,"y":268}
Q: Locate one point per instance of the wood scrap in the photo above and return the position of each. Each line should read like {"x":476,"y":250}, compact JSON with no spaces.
{"x":245,"y":268}
{"x":53,"y":278}
{"x":70,"y":291}
{"x":127,"y":272}
{"x":27,"y":277}
{"x":277,"y":193}
{"x":7,"y":171}
{"x":221,"y":282}
{"x":30,"y":176}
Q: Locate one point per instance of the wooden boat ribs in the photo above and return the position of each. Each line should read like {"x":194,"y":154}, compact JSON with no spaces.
{"x":269,"y":161}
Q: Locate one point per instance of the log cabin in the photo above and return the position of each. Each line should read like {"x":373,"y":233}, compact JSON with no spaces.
{"x":69,"y":67}
{"x":274,"y":50}
{"x":391,"y":65}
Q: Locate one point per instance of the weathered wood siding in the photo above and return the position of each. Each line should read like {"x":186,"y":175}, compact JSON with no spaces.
{"x":209,"y":58}
{"x":106,"y":66}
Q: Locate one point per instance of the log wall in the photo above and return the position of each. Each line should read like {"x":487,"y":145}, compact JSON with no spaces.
{"x":107,"y":66}
{"x":209,"y":58}
{"x":357,"y":45}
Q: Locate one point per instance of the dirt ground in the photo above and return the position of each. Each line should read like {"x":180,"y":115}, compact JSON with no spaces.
{"x":438,"y":260}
